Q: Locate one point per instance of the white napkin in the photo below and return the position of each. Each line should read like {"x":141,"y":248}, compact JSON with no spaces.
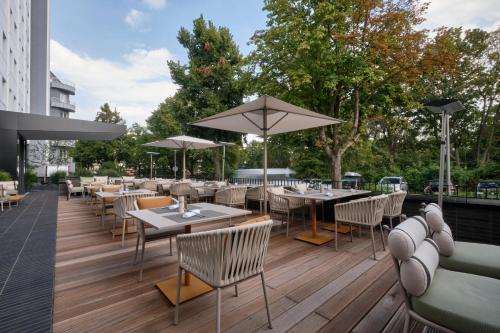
{"x":173,"y":206}
{"x":329,"y":194}
{"x":191,"y":213}
{"x":300,"y":192}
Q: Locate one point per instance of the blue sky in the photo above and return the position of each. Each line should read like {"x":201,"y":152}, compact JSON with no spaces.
{"x":116,"y":50}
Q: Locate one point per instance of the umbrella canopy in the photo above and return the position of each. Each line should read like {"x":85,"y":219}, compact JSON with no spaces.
{"x":265,"y":116}
{"x":183,"y":142}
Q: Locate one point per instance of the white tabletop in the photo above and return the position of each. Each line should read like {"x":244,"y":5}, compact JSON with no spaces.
{"x":323,"y":196}
{"x":120,"y":193}
{"x":161,"y":221}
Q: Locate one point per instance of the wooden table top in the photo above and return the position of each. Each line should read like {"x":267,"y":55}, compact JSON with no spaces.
{"x":327,"y":195}
{"x":162,"y":220}
{"x":120,"y":193}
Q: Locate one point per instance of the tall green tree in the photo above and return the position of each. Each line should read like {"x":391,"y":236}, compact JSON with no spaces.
{"x":350,"y":59}
{"x":209,"y":83}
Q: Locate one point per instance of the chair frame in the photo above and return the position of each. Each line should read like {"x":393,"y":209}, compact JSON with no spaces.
{"x":366,"y":212}
{"x":223,"y":258}
{"x":232,"y":196}
{"x":394,"y":206}
{"x":283,"y":205}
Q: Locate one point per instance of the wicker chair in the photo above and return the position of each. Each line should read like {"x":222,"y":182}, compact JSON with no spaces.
{"x":124,"y":204}
{"x":231,"y":196}
{"x":72,"y":189}
{"x":128,"y":181}
{"x":150,"y":234}
{"x":362,"y":212}
{"x":101,"y":179}
{"x":282,"y":205}
{"x":224,"y":257}
{"x":198,"y":193}
{"x":181,"y":189}
{"x":394,"y":206}
{"x":108,"y":202}
{"x":256,"y":194}
{"x":151,"y":185}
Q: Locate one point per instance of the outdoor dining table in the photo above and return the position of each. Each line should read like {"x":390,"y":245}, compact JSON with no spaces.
{"x":313,"y":236}
{"x":102,"y":195}
{"x":165,"y":219}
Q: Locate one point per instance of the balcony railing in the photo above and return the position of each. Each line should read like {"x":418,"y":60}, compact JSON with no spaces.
{"x":57,"y":103}
{"x":66,"y":86}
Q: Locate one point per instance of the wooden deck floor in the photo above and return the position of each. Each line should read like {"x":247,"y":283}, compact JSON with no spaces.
{"x":311,"y":288}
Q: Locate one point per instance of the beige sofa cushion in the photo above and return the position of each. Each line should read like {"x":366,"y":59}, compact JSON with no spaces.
{"x":405,"y":238}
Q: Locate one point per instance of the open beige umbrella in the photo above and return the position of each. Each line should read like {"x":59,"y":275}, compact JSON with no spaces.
{"x":265,"y":116}
{"x":183,"y":142}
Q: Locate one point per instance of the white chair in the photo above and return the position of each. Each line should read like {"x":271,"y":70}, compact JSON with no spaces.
{"x":124,"y":204}
{"x":256,"y":193}
{"x":151,"y":185}
{"x":72,"y":189}
{"x":231,"y":196}
{"x":181,"y":189}
{"x":223,"y":258}
{"x":394,"y":206}
{"x":366,"y":212}
{"x":280,"y":204}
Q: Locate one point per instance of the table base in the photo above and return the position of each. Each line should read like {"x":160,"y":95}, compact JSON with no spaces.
{"x":118,"y":231}
{"x":195,"y":288}
{"x":342,"y":229}
{"x":320,"y":238}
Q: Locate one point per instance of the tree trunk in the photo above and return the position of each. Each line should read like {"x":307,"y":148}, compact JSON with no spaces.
{"x":337,"y":170}
{"x":216,"y":159}
{"x":492,"y":136}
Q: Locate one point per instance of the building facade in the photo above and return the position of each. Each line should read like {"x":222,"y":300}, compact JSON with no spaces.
{"x":60,"y":101}
{"x":24,"y":56}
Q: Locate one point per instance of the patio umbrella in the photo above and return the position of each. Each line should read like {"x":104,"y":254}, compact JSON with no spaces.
{"x":183,"y":142}
{"x":265,"y":116}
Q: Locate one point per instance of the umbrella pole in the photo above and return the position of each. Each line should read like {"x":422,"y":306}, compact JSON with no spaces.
{"x":441,"y":160}
{"x":265,"y":159}
{"x":223,"y":160}
{"x":183,"y":163}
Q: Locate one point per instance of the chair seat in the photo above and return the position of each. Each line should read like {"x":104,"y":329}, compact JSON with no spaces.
{"x":77,"y":189}
{"x":152,"y":234}
{"x":474,"y":258}
{"x":461,"y":302}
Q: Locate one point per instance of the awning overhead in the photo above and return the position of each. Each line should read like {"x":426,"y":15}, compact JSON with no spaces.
{"x":39,"y":127}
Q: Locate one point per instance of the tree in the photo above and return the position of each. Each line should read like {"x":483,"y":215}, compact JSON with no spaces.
{"x":106,"y":115}
{"x":350,"y":59}
{"x":208,"y":84}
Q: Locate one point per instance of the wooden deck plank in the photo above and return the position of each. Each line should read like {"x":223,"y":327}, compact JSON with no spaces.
{"x":310,"y":288}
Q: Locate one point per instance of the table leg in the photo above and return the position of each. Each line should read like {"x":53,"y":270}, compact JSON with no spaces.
{"x":191,"y":288}
{"x":313,"y":236}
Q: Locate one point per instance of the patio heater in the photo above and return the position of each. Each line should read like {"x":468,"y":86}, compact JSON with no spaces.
{"x":445,"y":107}
{"x":224,"y":144}
{"x":151,"y":154}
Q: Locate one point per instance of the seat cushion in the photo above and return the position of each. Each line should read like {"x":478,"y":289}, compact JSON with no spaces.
{"x":474,"y":258}
{"x":152,"y":234}
{"x":461,"y":302}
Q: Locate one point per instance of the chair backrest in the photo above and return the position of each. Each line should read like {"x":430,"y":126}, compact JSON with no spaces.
{"x":180,"y":189}
{"x":279,"y":190}
{"x":234,"y":195}
{"x":225,"y":256}
{"x":394,"y":204}
{"x":368,"y":211}
{"x":153,"y":202}
{"x":256,"y":193}
{"x":300,"y":187}
{"x":151,"y":185}
{"x":277,"y":202}
{"x":126,"y":203}
{"x":111,"y":188}
{"x":86,"y":180}
{"x":101,"y":179}
{"x":128,"y":179}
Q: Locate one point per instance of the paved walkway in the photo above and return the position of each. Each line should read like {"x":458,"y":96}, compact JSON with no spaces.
{"x":27,"y":254}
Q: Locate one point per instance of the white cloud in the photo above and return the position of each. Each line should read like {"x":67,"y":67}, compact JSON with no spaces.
{"x":155,"y":4}
{"x":135,"y":18}
{"x":468,"y":14}
{"x":135,"y":85}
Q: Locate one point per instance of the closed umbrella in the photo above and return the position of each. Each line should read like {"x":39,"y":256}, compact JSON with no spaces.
{"x":265,"y":116}
{"x":183,"y":142}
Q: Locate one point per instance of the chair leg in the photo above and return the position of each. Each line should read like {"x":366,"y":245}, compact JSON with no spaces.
{"x":382,"y":235}
{"x":178,"y":296}
{"x":304,"y":217}
{"x":170,"y":239}
{"x":217,"y":310}
{"x":124,"y":231}
{"x":142,"y":259}
{"x":236,"y":290}
{"x":114,"y":227}
{"x":373,"y":243}
{"x":350,"y":229}
{"x":390,"y":221}
{"x":336,"y":236}
{"x":265,"y":299}
{"x":287,"y":223}
{"x":136,"y":250}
